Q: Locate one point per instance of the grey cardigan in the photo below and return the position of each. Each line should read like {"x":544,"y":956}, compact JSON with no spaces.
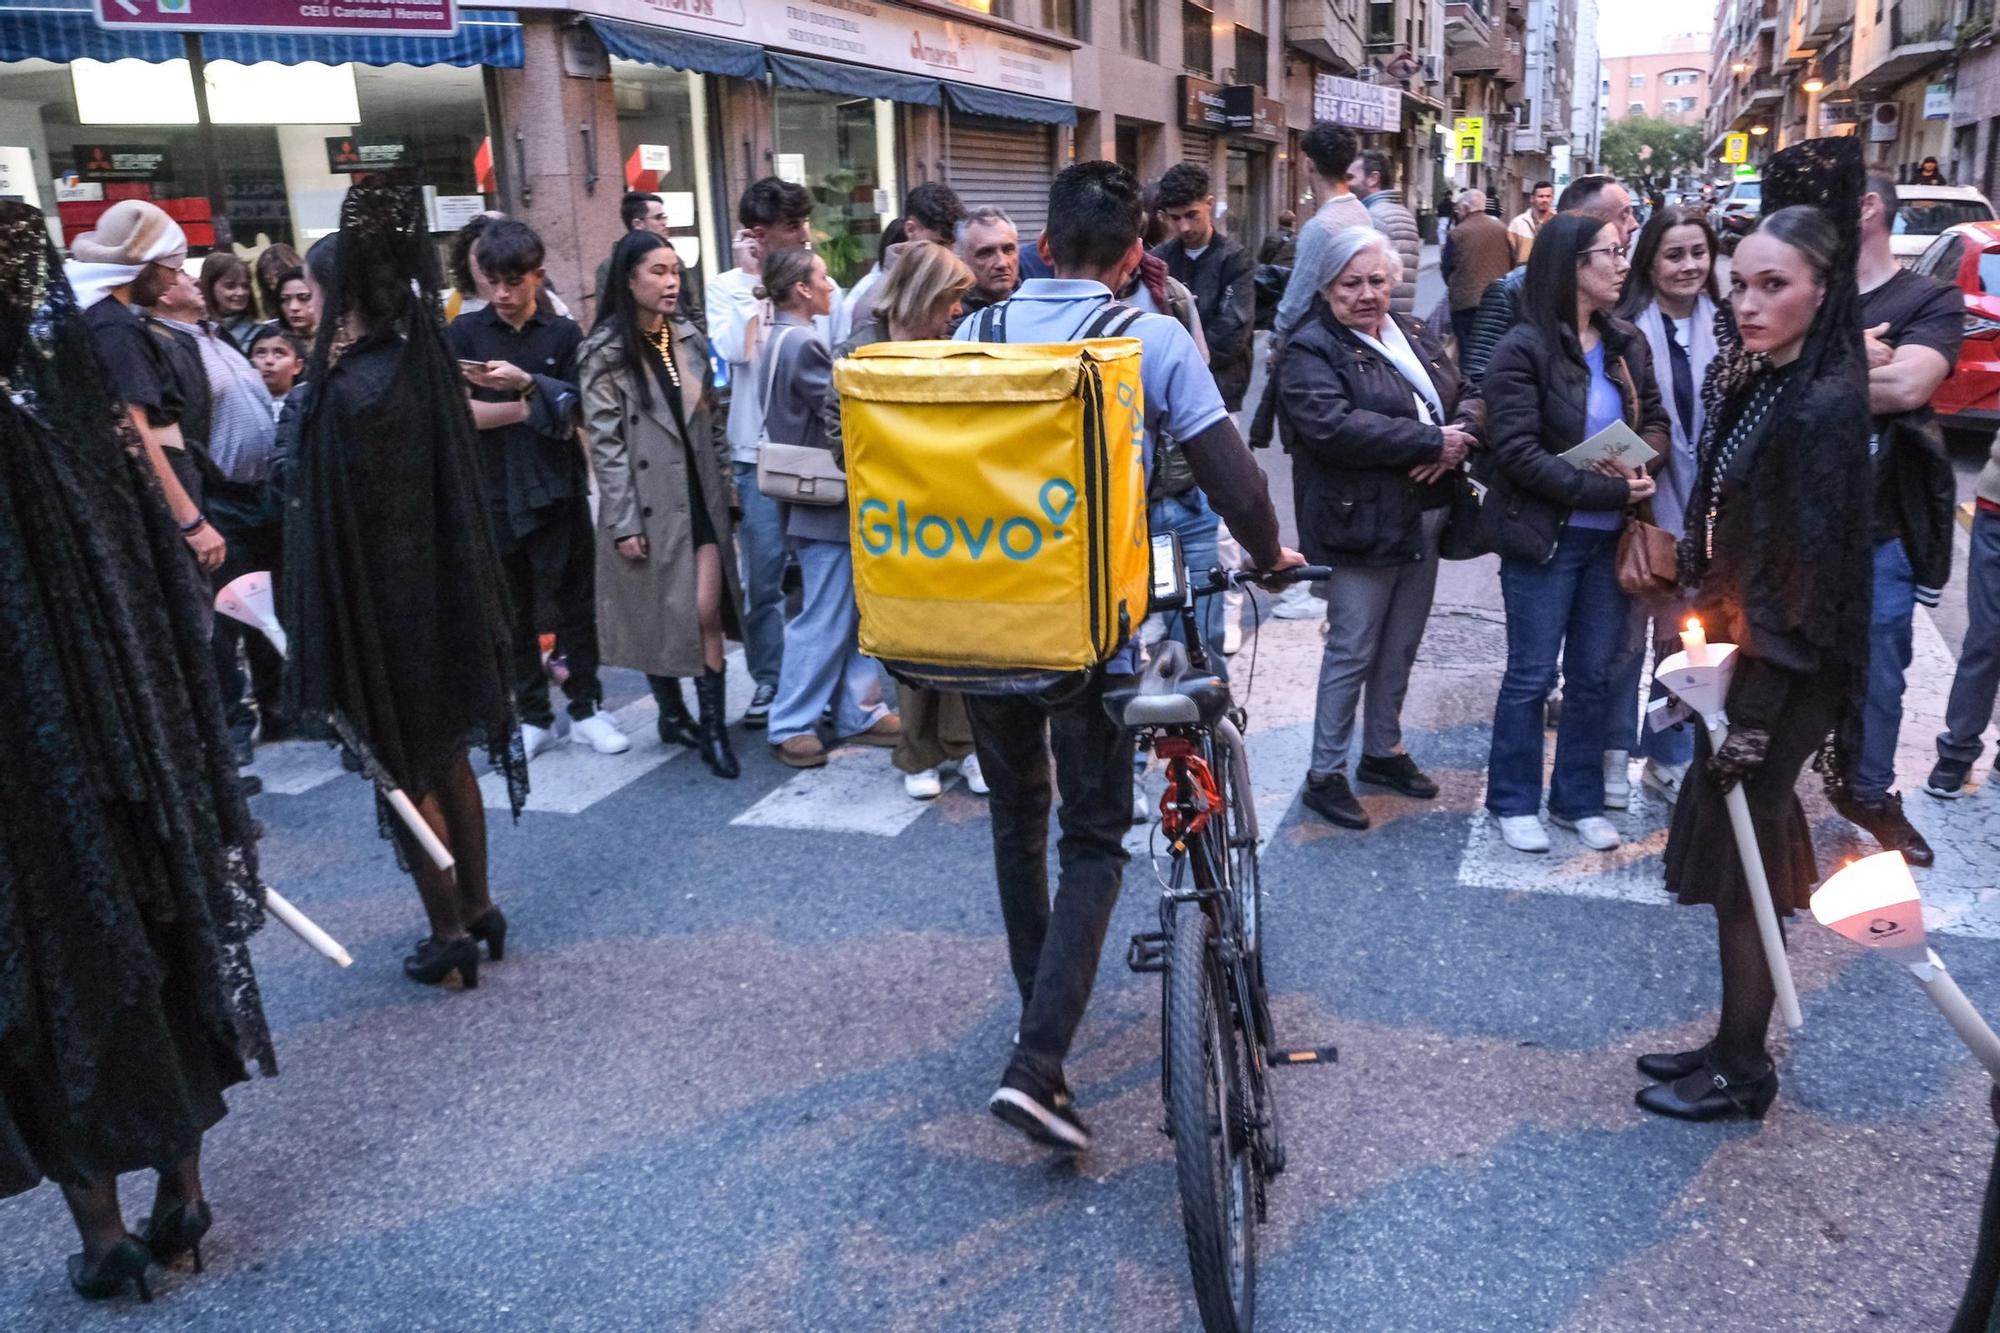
{"x":801,"y":378}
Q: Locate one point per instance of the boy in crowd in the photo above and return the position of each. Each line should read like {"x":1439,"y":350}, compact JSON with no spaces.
{"x":279,"y":358}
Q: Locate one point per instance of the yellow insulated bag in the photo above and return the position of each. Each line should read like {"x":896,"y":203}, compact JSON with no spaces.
{"x":998,"y":496}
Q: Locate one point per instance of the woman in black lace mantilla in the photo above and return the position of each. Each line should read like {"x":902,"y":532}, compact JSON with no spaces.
{"x":128,"y":873}
{"x":393,"y":597}
{"x":1777,"y":560}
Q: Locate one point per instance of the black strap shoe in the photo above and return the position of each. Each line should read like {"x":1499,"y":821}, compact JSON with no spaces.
{"x":1666,"y":1066}
{"x":1707,"y":1094}
{"x":1398,"y":772}
{"x":1332,"y":799}
{"x":122,"y":1265}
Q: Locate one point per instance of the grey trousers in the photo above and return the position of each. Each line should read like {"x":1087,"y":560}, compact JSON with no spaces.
{"x":1978,"y":676}
{"x":1375,"y":620}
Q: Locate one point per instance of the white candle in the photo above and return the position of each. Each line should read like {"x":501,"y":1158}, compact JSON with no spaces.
{"x":1694,"y":642}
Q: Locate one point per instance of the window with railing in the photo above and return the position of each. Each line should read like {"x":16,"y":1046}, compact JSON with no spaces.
{"x":1252,"y":58}
{"x":1381,"y":22}
{"x":1136,"y":33}
{"x":1197,"y":39}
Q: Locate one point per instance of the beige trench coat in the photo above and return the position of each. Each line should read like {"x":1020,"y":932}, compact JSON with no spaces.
{"x":646,"y":617}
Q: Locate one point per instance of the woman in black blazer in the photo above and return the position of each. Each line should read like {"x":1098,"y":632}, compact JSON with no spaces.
{"x":1567,"y":371}
{"x":1371,"y":407}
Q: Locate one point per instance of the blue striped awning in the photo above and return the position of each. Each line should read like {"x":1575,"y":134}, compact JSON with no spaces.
{"x":691,"y":51}
{"x":1010,"y":106}
{"x":63,"y":30}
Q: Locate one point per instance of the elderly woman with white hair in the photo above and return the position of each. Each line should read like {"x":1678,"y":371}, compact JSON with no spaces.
{"x":1378,"y":436}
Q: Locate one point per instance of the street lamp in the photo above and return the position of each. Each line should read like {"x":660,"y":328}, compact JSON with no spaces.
{"x":1813,"y":84}
{"x":1760,"y":130}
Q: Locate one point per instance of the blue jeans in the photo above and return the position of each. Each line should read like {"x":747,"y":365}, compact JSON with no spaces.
{"x":1190,"y":517}
{"x":1978,"y":676}
{"x":1570,"y":606}
{"x":760,"y":542}
{"x":1630,"y":731}
{"x":823,"y":661}
{"x":1889,"y":649}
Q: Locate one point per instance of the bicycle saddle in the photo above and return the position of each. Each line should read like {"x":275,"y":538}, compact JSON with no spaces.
{"x":1170,"y":693}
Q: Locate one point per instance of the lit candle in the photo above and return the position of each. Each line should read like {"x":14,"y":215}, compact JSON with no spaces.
{"x":1694,"y":642}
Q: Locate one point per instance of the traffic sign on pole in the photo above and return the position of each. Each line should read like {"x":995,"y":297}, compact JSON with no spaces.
{"x":1735,"y":149}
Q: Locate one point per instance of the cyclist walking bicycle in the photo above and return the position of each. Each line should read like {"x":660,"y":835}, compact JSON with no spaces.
{"x":1093,"y":245}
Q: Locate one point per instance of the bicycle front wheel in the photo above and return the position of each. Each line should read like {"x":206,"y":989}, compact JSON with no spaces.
{"x":1212,"y":1149}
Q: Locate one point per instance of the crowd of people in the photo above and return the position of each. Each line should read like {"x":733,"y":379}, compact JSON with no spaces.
{"x":461,"y":512}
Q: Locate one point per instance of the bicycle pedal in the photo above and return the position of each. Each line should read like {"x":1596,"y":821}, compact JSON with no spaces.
{"x":1312,"y":1055}
{"x":1148,"y":952}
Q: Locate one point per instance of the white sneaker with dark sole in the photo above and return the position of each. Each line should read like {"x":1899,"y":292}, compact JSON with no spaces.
{"x":1053,"y":1122}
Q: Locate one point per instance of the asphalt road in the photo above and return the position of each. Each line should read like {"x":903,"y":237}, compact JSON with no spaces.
{"x":731,"y":1074}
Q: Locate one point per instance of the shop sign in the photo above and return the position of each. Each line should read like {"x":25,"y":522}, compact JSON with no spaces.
{"x":1937,"y":101}
{"x":449,"y":212}
{"x":256,"y":201}
{"x":655,"y":157}
{"x":360,"y":18}
{"x":1468,"y":139}
{"x":789,"y":167}
{"x":1372,"y":108}
{"x":1202,"y":106}
{"x":123,"y":162}
{"x":860,"y":32}
{"x":1253,"y":115}
{"x":17,"y":176}
{"x":70,"y":190}
{"x":1735,"y":149}
{"x":350,"y":153}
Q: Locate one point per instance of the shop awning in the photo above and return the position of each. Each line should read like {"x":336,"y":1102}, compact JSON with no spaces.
{"x":62,"y":31}
{"x":1009,"y":106}
{"x":824,"y":76}
{"x":679,"y":50}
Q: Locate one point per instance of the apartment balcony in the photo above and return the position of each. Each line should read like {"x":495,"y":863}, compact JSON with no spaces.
{"x":1323,"y":29}
{"x":1825,"y":17}
{"x":1466,"y":26}
{"x":1922,"y":34}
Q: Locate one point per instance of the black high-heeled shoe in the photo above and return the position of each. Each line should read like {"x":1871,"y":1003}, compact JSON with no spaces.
{"x":122,"y":1264}
{"x":677,"y":726}
{"x":1666,"y":1066}
{"x":1707,"y":1094}
{"x":435,"y":959}
{"x":490,"y":929}
{"x":170,"y":1235}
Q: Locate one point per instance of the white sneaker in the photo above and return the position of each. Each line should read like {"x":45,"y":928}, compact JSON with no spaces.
{"x":924,"y":786}
{"x":1524,"y":833}
{"x":536,"y":739}
{"x":1298,"y":603}
{"x":600,"y":733}
{"x":1232,"y":638}
{"x":975,"y":778}
{"x":1617,"y":779}
{"x":1666,"y":779}
{"x":1593,"y":831}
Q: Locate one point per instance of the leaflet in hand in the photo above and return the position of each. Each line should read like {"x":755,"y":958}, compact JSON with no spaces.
{"x":1617,"y":442}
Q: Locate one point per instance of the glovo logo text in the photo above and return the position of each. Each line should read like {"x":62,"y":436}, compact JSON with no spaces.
{"x":886,"y":528}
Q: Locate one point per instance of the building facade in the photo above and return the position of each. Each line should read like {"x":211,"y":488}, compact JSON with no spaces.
{"x":1666,"y":85}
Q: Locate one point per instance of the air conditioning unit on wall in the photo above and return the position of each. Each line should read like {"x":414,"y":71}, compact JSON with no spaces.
{"x":1433,"y":69}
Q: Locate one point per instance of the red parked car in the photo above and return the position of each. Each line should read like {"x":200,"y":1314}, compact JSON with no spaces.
{"x":1968,"y":257}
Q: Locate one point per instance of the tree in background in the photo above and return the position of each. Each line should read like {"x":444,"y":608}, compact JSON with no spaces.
{"x":1652,"y":154}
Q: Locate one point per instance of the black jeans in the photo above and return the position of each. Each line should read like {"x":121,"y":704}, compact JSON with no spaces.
{"x":249,"y":520}
{"x":552,"y":579}
{"x":1054,"y":948}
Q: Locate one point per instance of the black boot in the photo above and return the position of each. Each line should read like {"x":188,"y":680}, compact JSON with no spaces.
{"x":676,"y":726}
{"x":714,"y":747}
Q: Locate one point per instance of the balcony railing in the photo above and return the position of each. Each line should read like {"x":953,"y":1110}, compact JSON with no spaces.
{"x":1913,"y":22}
{"x":1467,"y":24}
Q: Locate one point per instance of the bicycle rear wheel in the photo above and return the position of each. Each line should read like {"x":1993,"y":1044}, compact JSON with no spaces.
{"x":1212,"y":1150}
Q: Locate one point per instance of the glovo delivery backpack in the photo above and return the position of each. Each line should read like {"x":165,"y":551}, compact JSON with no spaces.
{"x":998,"y":496}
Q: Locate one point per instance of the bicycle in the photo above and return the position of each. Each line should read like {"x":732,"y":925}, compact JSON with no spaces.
{"x":1216,"y":1042}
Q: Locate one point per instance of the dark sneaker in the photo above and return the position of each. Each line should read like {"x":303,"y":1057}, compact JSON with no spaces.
{"x":759,"y":711}
{"x":1884,"y":819}
{"x":1398,"y":772}
{"x":1331,"y":798}
{"x":1947,"y":781}
{"x":1045,"y":1114}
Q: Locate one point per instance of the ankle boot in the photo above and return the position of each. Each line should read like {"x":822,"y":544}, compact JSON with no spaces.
{"x":714,"y":748}
{"x":676,"y":726}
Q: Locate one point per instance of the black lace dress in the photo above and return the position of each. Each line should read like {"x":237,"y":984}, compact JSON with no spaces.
{"x":128,"y":878}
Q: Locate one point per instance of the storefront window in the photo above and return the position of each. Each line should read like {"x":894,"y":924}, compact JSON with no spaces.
{"x":276,"y":164}
{"x":842,"y":149}
{"x":662,"y":149}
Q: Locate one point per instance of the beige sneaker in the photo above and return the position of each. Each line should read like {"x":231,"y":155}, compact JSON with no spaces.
{"x":887,"y":730}
{"x":801,"y":752}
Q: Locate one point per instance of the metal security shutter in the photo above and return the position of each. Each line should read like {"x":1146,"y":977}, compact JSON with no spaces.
{"x":1007,"y":163}
{"x":1198,"y":149}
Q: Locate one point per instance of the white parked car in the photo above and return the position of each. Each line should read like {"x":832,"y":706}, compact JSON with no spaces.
{"x":1924,"y":212}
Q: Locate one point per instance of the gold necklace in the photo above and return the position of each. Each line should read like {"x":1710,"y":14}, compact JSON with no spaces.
{"x":662,"y":340}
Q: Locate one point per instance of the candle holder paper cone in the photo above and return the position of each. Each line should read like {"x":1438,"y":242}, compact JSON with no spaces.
{"x":1875,"y":903}
{"x":1699,"y":683}
{"x":248,"y":599}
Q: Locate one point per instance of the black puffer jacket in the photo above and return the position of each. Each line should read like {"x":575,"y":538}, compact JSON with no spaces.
{"x":1537,"y":398}
{"x":1499,"y":310}
{"x":1355,"y":434}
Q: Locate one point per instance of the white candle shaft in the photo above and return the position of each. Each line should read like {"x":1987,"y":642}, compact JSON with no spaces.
{"x":1760,"y":894}
{"x":1694,"y":642}
{"x":304,"y":927}
{"x":1964,"y":1019}
{"x":421,"y":831}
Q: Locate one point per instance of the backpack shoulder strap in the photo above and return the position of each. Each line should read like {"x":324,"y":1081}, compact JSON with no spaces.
{"x":993,"y":323}
{"x":1112,"y":321}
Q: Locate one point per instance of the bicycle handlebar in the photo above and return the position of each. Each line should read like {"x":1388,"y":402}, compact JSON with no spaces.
{"x":1222,"y":580}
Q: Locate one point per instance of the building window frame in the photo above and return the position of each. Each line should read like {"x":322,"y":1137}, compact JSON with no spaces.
{"x":1253,"y":57}
{"x":1138,"y":28}
{"x":1197,"y":39}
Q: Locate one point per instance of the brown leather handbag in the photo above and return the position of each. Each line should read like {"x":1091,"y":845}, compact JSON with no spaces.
{"x":1647,"y":563}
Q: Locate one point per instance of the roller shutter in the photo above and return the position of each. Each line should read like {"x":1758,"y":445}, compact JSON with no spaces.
{"x":1198,"y":149}
{"x":1006,"y":163}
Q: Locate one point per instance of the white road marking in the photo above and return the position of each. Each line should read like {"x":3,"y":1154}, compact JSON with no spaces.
{"x":857,"y":791}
